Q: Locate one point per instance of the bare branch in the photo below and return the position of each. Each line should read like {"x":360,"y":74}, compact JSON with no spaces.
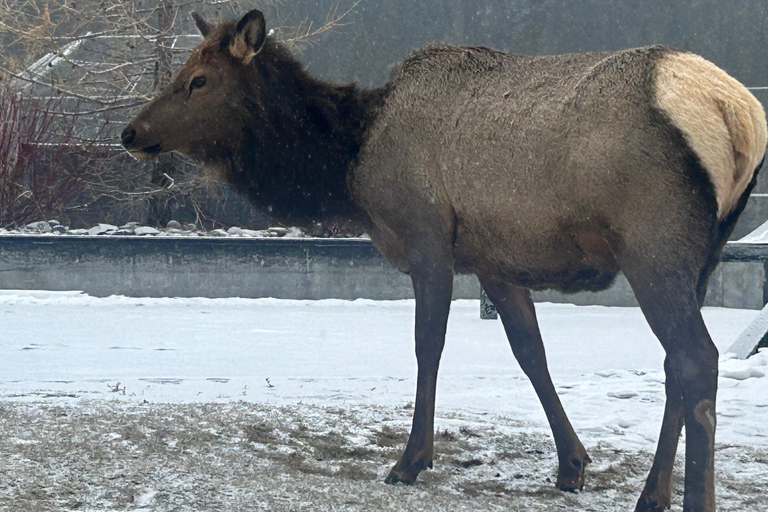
{"x":305,"y":32}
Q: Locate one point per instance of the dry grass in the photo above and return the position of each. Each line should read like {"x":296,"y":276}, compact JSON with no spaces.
{"x":240,"y":456}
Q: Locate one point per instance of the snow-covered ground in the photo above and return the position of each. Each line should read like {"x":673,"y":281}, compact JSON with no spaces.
{"x":304,"y":405}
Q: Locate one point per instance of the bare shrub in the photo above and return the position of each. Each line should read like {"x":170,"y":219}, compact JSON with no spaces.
{"x":28,"y":190}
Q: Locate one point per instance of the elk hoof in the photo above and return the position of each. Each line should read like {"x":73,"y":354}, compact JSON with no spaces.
{"x":653,"y":502}
{"x":570,"y":476}
{"x":407,"y":473}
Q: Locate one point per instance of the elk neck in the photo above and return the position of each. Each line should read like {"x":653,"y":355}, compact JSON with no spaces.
{"x":306,"y":136}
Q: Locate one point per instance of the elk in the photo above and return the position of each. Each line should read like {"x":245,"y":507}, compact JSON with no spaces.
{"x":530,"y":172}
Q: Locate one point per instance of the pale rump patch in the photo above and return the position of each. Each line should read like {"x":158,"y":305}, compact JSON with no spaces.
{"x":721,"y":120}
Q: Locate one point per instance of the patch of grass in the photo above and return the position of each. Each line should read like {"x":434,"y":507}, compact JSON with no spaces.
{"x":388,"y":437}
{"x":261,"y":433}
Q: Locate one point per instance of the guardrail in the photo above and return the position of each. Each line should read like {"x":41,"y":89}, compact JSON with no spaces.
{"x":737,"y":251}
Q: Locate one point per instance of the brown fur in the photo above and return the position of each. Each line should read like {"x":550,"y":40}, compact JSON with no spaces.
{"x":287,"y":148}
{"x":530,"y":172}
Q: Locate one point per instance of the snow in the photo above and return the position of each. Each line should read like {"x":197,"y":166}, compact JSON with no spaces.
{"x":69,"y":349}
{"x":758,"y":236}
{"x":605,"y":362}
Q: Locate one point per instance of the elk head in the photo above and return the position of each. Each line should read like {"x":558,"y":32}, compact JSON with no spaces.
{"x":211,"y":103}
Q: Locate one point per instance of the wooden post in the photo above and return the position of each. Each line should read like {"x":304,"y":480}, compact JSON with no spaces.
{"x":487,"y":309}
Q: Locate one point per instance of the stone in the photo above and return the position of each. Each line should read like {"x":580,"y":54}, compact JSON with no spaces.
{"x":295,"y":232}
{"x":190,"y":227}
{"x":77,"y":232}
{"x":102,"y":229}
{"x":125,"y":232}
{"x":53,"y":223}
{"x":39,"y":227}
{"x":173,"y":224}
{"x":278,"y":231}
{"x":235,"y":231}
{"x":251,"y":232}
{"x":145,"y":230}
{"x":59,"y":229}
{"x":130,"y":225}
{"x":219,"y":232}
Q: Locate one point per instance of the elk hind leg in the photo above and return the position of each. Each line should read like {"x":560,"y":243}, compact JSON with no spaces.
{"x":657,"y":492}
{"x":670,"y":302}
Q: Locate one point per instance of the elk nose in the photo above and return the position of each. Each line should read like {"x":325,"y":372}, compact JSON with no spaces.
{"x":127,"y":136}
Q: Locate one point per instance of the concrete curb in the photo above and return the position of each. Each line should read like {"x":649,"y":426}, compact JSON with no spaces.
{"x":289,"y":268}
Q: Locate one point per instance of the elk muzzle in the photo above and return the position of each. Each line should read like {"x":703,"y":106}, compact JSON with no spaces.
{"x":128,"y":139}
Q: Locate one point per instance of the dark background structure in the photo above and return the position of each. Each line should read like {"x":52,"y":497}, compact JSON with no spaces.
{"x":100,"y":60}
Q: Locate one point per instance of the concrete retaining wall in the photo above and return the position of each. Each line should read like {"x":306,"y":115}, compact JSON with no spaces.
{"x":282,"y":268}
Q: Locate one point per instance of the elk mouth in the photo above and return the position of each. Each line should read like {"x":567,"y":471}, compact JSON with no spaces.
{"x":151,"y":150}
{"x":146,"y":153}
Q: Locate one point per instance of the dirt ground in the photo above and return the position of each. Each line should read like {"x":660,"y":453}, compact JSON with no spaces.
{"x":111,"y":455}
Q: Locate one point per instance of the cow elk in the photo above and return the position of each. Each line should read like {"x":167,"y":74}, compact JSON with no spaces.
{"x":529,"y":172}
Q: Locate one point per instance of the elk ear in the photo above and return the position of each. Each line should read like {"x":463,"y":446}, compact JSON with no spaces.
{"x":251,"y":32}
{"x":203,"y":26}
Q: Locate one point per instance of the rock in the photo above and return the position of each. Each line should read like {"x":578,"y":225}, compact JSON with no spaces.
{"x":173,"y":224}
{"x":77,"y":232}
{"x":278,"y":231}
{"x":145,"y":230}
{"x":173,"y":231}
{"x":295,"y":232}
{"x":190,"y":227}
{"x":59,"y":229}
{"x":130,"y":225}
{"x":219,"y":232}
{"x":53,"y":223}
{"x":251,"y":232}
{"x":39,"y":227}
{"x":235,"y":231}
{"x":125,"y":232}
{"x":102,"y":229}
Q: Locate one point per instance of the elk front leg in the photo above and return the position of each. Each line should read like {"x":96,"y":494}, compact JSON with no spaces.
{"x":518,"y":316}
{"x":432,"y":287}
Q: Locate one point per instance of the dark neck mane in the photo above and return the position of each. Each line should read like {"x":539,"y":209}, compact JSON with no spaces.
{"x":294,"y":164}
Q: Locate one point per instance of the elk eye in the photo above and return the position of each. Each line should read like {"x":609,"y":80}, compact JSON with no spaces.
{"x":197,"y":83}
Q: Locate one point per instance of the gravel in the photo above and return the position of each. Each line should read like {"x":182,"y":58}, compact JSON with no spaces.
{"x":173,"y":228}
